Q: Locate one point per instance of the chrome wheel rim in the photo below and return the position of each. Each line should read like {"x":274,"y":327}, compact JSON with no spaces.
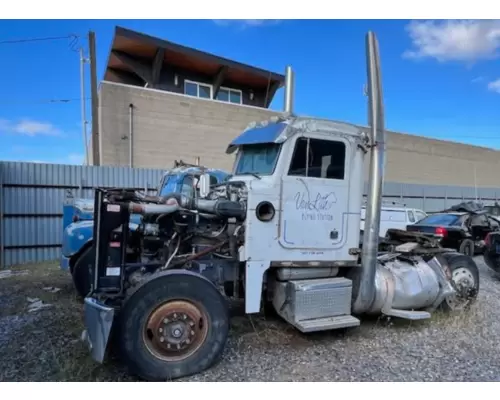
{"x":464,"y":283}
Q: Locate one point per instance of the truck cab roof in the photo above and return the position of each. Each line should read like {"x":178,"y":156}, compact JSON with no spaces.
{"x":279,"y":129}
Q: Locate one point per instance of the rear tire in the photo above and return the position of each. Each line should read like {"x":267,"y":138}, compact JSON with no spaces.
{"x":465,"y":279}
{"x":174,"y":326}
{"x":81,"y":272}
{"x":467,"y":247}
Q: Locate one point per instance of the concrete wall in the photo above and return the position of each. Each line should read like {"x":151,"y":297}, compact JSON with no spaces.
{"x":414,"y":159}
{"x":168,"y":126}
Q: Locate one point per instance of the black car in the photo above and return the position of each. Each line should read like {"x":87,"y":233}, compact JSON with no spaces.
{"x":461,"y":228}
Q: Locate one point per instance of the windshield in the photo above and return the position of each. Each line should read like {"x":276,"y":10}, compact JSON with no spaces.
{"x":169,"y":185}
{"x":440,"y":219}
{"x":257,"y":159}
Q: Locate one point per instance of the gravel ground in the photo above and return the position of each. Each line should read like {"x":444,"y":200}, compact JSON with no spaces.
{"x":446,"y":348}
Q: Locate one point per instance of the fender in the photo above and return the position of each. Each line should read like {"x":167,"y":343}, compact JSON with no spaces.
{"x":168,"y":272}
{"x":75,"y":236}
{"x":74,"y":258}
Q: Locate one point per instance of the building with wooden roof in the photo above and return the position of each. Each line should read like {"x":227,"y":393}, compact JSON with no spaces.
{"x":160,"y":101}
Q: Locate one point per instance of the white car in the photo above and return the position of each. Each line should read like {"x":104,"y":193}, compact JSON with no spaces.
{"x":394,"y":216}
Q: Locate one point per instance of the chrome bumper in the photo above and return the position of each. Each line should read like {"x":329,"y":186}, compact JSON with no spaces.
{"x":98,"y":322}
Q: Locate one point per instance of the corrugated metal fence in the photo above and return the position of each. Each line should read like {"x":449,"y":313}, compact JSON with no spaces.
{"x":32,"y":197}
{"x":431,"y":198}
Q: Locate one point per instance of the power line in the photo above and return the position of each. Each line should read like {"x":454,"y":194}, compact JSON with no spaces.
{"x":42,"y":101}
{"x":74,"y":38}
{"x":39,"y":39}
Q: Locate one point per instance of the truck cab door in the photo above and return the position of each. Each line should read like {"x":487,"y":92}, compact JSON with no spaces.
{"x":315,"y":196}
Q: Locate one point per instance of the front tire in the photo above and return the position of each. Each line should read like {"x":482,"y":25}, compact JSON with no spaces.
{"x":81,"y":272}
{"x":464,"y":279}
{"x":175,"y":325}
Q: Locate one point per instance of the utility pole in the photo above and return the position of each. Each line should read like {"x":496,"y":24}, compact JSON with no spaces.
{"x":83,"y":60}
{"x":94,"y":100}
{"x":475,"y":180}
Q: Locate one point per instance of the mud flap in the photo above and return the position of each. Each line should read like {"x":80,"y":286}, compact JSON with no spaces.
{"x":98,"y":321}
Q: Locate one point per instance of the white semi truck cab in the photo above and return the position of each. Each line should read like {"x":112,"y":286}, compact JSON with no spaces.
{"x":284,"y":230}
{"x":304,"y":190}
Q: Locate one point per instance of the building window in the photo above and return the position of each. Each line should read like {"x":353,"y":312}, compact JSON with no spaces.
{"x":197,"y":89}
{"x":230,"y":95}
{"x":205,"y":91}
{"x":316,"y":158}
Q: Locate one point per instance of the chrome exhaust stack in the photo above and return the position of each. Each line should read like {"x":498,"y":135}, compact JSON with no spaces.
{"x":289,"y":90}
{"x":366,"y":293}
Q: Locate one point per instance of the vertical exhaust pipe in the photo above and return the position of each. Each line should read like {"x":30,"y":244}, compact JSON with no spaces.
{"x":83,"y":108}
{"x":289,"y":90}
{"x":366,"y":293}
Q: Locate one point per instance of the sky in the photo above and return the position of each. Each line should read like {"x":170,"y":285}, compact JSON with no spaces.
{"x":441,"y":78}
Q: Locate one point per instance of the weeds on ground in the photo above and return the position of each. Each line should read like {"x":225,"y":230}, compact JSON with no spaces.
{"x":45,"y":345}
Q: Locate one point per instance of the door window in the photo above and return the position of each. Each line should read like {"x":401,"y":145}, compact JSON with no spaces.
{"x":187,"y":187}
{"x":420,"y":215}
{"x":317,"y":158}
{"x":213,"y":180}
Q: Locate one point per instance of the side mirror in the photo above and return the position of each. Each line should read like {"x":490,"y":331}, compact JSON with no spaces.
{"x":204,"y":185}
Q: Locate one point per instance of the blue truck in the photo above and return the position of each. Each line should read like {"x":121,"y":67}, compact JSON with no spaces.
{"x":78,"y":220}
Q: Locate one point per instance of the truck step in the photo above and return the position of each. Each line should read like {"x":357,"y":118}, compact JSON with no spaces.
{"x":320,"y":298}
{"x":329,"y":323}
{"x":312,"y":305}
{"x":408,"y":314}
